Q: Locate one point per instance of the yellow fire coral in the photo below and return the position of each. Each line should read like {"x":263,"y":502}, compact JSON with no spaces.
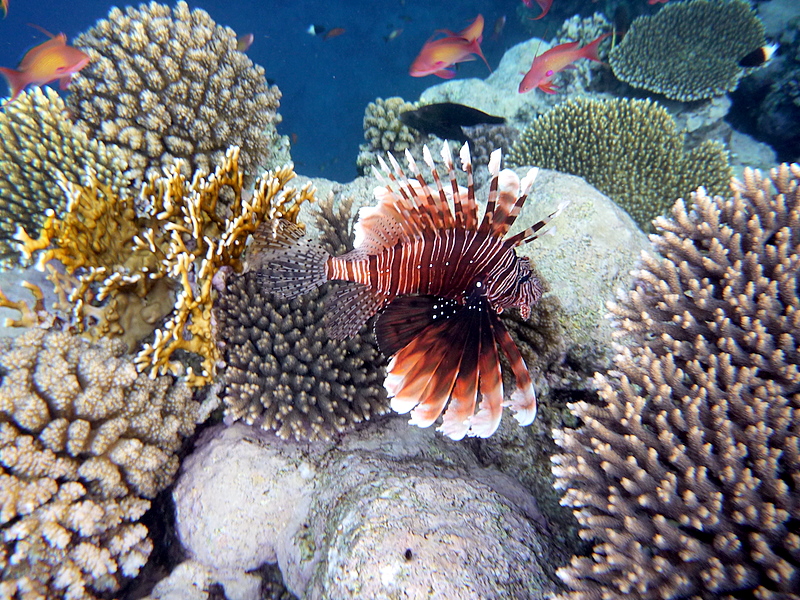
{"x":122,"y":266}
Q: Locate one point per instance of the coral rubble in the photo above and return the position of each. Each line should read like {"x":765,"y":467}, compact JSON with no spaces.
{"x":85,"y":441}
{"x":169,"y":84}
{"x":685,"y":476}
{"x":39,"y":144}
{"x":628,"y":149}
{"x":689,"y":50}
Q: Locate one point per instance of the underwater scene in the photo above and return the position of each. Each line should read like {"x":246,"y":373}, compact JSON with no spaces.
{"x":479,"y":299}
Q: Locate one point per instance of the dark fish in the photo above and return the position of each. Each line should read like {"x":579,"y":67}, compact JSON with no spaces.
{"x":758,"y":57}
{"x":315,"y":30}
{"x":446,"y":119}
{"x":438,"y":279}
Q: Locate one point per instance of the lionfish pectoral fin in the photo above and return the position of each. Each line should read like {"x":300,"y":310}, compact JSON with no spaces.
{"x":348,"y":307}
{"x":405,"y":318}
{"x":523,"y":400}
{"x":287,"y":264}
{"x":490,"y":409}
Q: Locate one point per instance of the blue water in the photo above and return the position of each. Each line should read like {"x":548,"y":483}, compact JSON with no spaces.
{"x":326,"y":84}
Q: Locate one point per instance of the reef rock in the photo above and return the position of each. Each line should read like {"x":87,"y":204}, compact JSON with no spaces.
{"x":388,"y":510}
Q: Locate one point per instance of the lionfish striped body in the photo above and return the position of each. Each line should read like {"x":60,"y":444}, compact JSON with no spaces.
{"x":438,"y":279}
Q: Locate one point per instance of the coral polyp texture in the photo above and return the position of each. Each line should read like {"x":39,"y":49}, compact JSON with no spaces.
{"x":85,"y":441}
{"x":631,"y":150}
{"x":282,"y":369}
{"x":169,"y":84}
{"x":37,"y":142}
{"x":384,"y":132}
{"x":686,"y":474}
{"x":689,"y":50}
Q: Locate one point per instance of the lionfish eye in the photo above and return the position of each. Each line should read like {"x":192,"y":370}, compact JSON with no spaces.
{"x":525,"y":278}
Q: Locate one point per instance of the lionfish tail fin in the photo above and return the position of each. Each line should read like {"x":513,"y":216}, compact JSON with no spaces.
{"x":286,"y":264}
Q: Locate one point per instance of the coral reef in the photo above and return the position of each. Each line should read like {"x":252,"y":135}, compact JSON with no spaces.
{"x":37,"y":142}
{"x":84,"y":442}
{"x":282,"y":370}
{"x":628,"y":149}
{"x":384,"y":132}
{"x":122,"y":268}
{"x":685,"y":475}
{"x":689,"y":50}
{"x":169,"y":84}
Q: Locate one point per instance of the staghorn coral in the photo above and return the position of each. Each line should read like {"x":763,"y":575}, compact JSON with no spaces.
{"x":38,"y":144}
{"x":84,"y":443}
{"x":630,"y":150}
{"x":169,"y":84}
{"x":281,"y":367}
{"x":384,"y":132}
{"x":689,"y":50}
{"x":122,"y":267}
{"x":686,"y":475}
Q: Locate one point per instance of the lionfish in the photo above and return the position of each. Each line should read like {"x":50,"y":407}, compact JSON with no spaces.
{"x":437,"y":279}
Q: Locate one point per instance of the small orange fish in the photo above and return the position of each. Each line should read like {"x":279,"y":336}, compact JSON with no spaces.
{"x":545,"y":66}
{"x":438,"y":56}
{"x":332,"y":33}
{"x":543,"y":4}
{"x":5,"y":7}
{"x":657,"y":1}
{"x":44,"y":63}
{"x":243,"y":42}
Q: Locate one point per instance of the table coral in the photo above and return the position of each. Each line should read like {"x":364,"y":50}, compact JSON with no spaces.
{"x":630,"y":150}
{"x":37,"y":142}
{"x":85,"y":441}
{"x":685,"y":474}
{"x":689,"y":50}
{"x":169,"y":84}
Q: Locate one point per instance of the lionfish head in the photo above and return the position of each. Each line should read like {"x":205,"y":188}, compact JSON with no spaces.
{"x":524,"y":290}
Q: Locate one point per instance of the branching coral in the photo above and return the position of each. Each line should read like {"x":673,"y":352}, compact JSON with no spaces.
{"x":689,"y":50}
{"x":170,"y":84}
{"x":84,"y":442}
{"x":122,"y":267}
{"x":38,"y":144}
{"x":686,"y":476}
{"x":384,"y":132}
{"x":630,"y":150}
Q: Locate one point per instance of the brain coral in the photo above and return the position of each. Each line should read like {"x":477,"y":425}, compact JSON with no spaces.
{"x":170,"y":84}
{"x":689,"y":50}
{"x":686,"y":474}
{"x":84,"y":441}
{"x":630,"y":150}
{"x":384,"y":132}
{"x":37,"y":140}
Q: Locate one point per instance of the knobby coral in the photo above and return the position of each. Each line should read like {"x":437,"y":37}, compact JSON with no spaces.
{"x":282,"y":370}
{"x":384,"y":132}
{"x":686,"y":475}
{"x":170,"y":84}
{"x":689,"y":50}
{"x":38,"y":144}
{"x":84,"y":442}
{"x":630,"y":150}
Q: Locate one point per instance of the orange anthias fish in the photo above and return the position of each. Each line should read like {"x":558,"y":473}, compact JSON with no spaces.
{"x":44,"y":63}
{"x":546,"y":65}
{"x":437,"y":278}
{"x":657,"y":1}
{"x":543,"y":4}
{"x":438,"y":56}
{"x":5,"y":8}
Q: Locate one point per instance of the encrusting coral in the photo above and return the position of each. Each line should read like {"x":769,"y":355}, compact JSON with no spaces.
{"x":122,"y":268}
{"x":689,"y":50}
{"x":630,"y":150}
{"x":170,"y":84}
{"x":85,"y":441}
{"x":37,"y":143}
{"x":686,"y":474}
{"x":384,"y":132}
{"x":282,"y":369}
